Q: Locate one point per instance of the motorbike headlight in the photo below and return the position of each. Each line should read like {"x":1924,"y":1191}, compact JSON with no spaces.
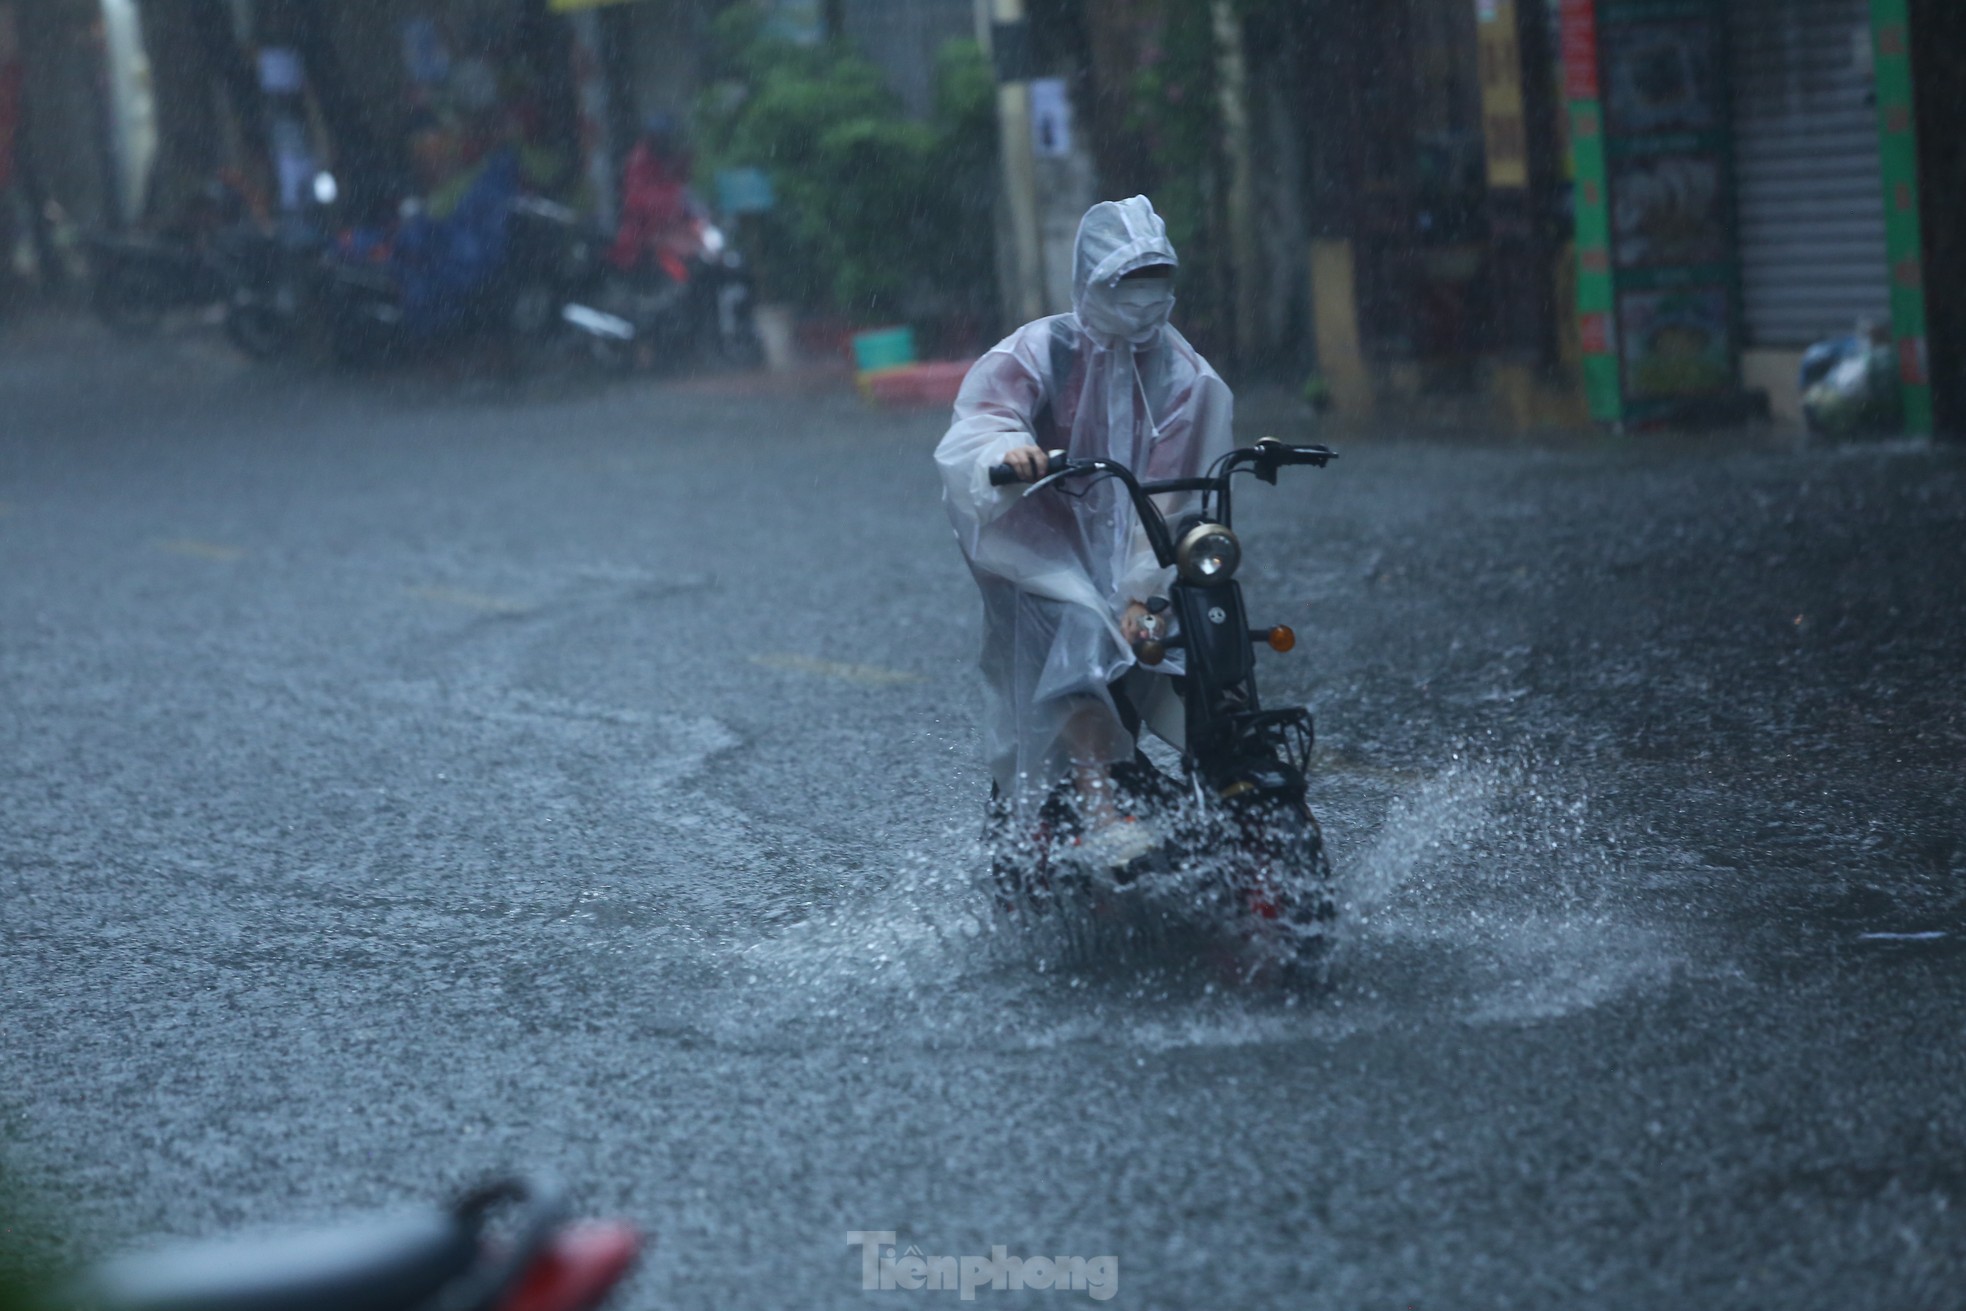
{"x":326,"y":190}
{"x":1209,"y":553}
{"x":713,"y":240}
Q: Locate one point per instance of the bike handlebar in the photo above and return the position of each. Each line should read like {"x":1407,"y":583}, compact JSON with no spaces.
{"x":1267,"y":455}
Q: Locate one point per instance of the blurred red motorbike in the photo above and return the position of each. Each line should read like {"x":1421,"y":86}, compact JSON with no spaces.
{"x":508,"y":1246}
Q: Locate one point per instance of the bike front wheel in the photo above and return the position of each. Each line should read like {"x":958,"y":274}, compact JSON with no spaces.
{"x":1286,"y":887}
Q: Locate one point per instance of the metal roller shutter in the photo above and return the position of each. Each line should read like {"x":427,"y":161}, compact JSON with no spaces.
{"x":1809,"y":181}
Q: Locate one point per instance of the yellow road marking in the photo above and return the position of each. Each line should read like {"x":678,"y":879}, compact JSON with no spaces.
{"x":870,"y":675}
{"x":1359,"y":769}
{"x":201,"y":550}
{"x":496,"y":605}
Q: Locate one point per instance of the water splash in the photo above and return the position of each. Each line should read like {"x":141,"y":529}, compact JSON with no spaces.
{"x":1493,"y":891}
{"x":1486,"y":895}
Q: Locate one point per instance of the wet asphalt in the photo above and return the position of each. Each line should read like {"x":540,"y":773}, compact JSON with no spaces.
{"x":410,"y":778}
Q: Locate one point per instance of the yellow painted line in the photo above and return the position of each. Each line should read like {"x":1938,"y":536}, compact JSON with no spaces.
{"x":869,"y":675}
{"x":200,"y":550}
{"x":1372,"y":771}
{"x":495,"y":605}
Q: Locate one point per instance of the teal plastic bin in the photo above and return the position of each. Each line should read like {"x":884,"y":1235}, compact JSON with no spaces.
{"x":883,"y":348}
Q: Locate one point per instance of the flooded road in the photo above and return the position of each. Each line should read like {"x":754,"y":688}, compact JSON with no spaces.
{"x":402,"y":785}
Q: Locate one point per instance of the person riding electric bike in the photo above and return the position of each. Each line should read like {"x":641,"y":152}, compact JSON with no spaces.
{"x":1070,"y":582}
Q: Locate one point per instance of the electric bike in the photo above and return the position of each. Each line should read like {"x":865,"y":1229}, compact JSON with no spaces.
{"x":1238,"y":835}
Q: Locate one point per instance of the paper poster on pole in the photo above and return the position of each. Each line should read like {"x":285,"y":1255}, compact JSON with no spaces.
{"x":1051,"y":118}
{"x":280,"y":71}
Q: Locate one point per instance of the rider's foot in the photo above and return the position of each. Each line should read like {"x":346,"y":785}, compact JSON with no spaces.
{"x":1118,"y":843}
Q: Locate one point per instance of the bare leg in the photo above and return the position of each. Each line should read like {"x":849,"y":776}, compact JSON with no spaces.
{"x":1109,"y":837}
{"x":1085,"y":733}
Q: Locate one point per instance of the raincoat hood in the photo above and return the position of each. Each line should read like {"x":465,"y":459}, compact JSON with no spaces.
{"x":1115,"y":238}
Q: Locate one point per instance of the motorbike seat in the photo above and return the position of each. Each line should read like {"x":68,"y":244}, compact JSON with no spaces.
{"x":381,"y":1263}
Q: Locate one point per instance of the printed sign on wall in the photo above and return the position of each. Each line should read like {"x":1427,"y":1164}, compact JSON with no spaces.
{"x":1658,"y":282}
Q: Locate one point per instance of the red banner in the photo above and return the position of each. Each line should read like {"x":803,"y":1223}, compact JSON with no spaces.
{"x":1596,"y":333}
{"x":1579,"y":18}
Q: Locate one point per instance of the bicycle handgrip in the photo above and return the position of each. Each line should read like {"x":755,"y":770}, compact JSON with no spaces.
{"x":1002,"y":475}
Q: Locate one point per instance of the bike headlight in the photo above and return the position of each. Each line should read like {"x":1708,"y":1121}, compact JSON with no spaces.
{"x":1208,"y":553}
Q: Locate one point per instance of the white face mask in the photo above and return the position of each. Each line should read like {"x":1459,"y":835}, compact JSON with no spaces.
{"x":1134,"y":311}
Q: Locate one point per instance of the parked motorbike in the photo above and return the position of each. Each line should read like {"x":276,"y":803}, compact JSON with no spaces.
{"x":139,"y":277}
{"x":510,"y":1246}
{"x":1237,"y":824}
{"x":691,"y":303}
{"x":371,"y":312}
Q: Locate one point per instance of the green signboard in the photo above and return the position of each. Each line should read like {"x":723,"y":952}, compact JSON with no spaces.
{"x":1658,"y":281}
{"x":1595,"y":300}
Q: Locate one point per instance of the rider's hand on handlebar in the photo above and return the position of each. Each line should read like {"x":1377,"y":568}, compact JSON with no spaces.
{"x":1029,"y":462}
{"x":1138,"y":623}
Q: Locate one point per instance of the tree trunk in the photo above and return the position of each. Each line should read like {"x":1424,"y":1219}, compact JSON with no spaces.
{"x":1114,"y":35}
{"x":617,"y":55}
{"x":190,"y":146}
{"x":546,"y":45}
{"x":229,"y":65}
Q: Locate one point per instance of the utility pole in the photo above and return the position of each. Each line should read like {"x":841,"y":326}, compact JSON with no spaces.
{"x":1005,"y":32}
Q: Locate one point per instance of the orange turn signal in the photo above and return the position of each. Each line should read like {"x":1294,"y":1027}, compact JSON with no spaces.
{"x":1282,"y":638}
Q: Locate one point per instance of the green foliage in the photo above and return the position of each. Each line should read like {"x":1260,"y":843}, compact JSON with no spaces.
{"x":1317,"y":394}
{"x":1174,"y":112}
{"x":876,"y":214}
{"x":965,"y":178}
{"x":1174,"y":109}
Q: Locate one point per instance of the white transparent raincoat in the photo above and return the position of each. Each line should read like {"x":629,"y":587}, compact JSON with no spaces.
{"x":1110,"y":380}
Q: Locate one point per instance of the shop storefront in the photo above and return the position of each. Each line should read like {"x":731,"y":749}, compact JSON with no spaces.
{"x":1746,"y":186}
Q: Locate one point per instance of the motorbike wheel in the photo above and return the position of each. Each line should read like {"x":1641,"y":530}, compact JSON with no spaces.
{"x":358,"y":346}
{"x":614,"y":358}
{"x":1288,"y":889}
{"x":131,"y":299}
{"x":743,"y":350}
{"x":1020,"y":863}
{"x":1031,"y":865}
{"x":259,"y":330}
{"x":533,"y":312}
